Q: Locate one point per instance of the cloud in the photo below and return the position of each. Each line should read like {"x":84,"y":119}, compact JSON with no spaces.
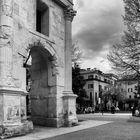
{"x":97,"y":26}
{"x":80,"y":3}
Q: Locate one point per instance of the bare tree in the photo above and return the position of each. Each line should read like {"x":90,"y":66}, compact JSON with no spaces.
{"x":125,"y":56}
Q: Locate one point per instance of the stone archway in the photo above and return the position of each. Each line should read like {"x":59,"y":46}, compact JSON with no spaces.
{"x":40,"y":89}
{"x":51,"y":55}
{"x":43,"y":88}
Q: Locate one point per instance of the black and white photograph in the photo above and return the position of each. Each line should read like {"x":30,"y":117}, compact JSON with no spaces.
{"x":69,"y":69}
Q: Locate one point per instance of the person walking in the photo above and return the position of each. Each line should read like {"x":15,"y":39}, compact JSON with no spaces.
{"x":112,"y":109}
{"x":102,"y":109}
{"x":133,"y":110}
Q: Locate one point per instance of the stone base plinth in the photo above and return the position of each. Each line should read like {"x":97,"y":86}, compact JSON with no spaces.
{"x":13,"y":120}
{"x":70,"y":117}
{"x":49,"y":122}
{"x":8,"y":131}
{"x":71,"y":121}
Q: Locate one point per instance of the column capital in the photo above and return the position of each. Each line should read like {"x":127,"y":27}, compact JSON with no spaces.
{"x":69,"y":13}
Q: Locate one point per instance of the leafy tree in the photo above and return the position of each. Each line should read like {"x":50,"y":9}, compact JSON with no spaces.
{"x":114,"y":94}
{"x":76,"y":54}
{"x":78,"y":83}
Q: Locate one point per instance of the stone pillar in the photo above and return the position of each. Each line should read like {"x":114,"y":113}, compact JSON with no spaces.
{"x":12,"y":100}
{"x":6,"y":34}
{"x":69,"y":98}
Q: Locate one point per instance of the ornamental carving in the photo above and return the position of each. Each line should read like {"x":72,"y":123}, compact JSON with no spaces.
{"x":6,"y":35}
{"x":69,"y":13}
{"x":6,"y":7}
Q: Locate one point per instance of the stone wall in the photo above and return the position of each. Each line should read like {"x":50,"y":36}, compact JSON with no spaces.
{"x":18,"y":39}
{"x":25,"y":35}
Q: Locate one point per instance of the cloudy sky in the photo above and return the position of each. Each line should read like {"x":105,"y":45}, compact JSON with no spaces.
{"x":97,"y":26}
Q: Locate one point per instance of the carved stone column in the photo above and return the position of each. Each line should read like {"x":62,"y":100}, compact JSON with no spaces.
{"x":6,"y":34}
{"x":69,"y":97}
{"x":12,"y":100}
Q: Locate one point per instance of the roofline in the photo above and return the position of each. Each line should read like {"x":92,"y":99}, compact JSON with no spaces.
{"x":95,"y":72}
{"x":98,"y":80}
{"x":126,"y":80}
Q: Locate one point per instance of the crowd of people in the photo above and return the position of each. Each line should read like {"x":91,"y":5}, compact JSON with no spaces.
{"x":97,"y":108}
{"x":135,"y":110}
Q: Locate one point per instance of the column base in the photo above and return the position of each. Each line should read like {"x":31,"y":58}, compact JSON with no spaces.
{"x":69,"y":101}
{"x":13,"y":113}
{"x":8,"y":131}
{"x":49,"y":122}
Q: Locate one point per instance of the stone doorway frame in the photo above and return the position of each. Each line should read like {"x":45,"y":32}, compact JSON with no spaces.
{"x":52,"y":72}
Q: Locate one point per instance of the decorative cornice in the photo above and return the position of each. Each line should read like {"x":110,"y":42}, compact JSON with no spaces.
{"x":69,"y":13}
{"x":67,"y":5}
{"x":12,"y":91}
{"x":64,"y":3}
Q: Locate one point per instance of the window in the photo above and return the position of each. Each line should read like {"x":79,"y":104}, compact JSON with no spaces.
{"x":129,"y":96}
{"x":96,"y":77}
{"x":42,"y":18}
{"x":90,"y":96}
{"x":131,"y":89}
{"x":96,"y":98}
{"x":100,"y":88}
{"x":128,"y":89}
{"x":90,"y":76}
{"x":90,"y":86}
{"x":105,"y":80}
{"x":129,"y":83}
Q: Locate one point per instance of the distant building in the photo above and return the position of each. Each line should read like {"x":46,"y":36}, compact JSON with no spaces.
{"x":129,"y":85}
{"x":96,"y":82}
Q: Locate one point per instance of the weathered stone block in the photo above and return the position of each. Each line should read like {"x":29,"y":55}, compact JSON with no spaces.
{"x":34,"y":31}
{"x":16,"y":130}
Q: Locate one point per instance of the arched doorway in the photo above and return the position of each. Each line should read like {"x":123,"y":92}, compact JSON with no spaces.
{"x":40,"y":75}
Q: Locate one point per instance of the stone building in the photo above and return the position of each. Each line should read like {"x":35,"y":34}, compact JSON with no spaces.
{"x":129,"y":84}
{"x":96,"y":83}
{"x":40,"y":29}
